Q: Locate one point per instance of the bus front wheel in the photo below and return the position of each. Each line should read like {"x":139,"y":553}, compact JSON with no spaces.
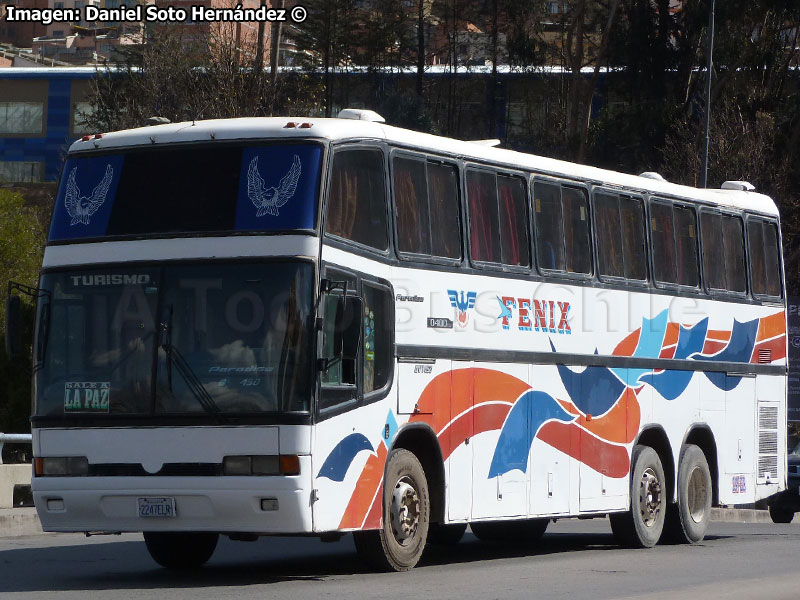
{"x":399,"y":543}
{"x":180,"y":550}
{"x":641,"y":526}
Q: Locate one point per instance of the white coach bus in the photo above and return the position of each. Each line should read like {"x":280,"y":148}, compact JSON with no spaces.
{"x":317,"y":326}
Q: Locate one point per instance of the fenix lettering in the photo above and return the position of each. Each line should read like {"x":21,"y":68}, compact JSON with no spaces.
{"x":535,"y":315}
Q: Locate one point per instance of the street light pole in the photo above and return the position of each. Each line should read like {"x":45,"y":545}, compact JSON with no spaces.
{"x":709,"y":70}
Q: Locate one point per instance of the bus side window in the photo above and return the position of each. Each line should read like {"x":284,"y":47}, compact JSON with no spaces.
{"x":445,"y":210}
{"x":357,"y":200}
{"x":735,"y":274}
{"x":713,"y":250}
{"x":577,"y":245}
{"x":686,"y":245}
{"x":663,"y":243}
{"x":377,"y":337}
{"x":634,"y":242}
{"x":484,"y":230}
{"x":411,"y":202}
{"x":762,"y":238}
{"x":610,"y":259}
{"x":515,"y":247}
{"x":549,"y":230}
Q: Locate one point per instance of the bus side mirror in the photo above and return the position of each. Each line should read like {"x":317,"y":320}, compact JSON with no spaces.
{"x":13,"y":326}
{"x":348,"y":327}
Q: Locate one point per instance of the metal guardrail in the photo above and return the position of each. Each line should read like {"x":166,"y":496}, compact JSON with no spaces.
{"x":13,"y":438}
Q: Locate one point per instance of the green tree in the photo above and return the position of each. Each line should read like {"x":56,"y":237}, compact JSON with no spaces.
{"x":21,"y":246}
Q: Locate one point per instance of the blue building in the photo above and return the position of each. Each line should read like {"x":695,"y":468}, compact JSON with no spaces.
{"x":39,"y":119}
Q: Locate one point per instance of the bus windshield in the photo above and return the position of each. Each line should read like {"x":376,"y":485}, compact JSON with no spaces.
{"x":175,"y":339}
{"x":183,"y":189}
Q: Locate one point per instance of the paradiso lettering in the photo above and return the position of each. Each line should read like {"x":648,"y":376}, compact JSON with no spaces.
{"x":549,"y":316}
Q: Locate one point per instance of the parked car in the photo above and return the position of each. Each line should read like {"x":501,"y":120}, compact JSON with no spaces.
{"x":783,"y":506}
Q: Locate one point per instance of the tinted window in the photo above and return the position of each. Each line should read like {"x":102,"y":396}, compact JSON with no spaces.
{"x":515,"y":248}
{"x":723,"y":252}
{"x":634,"y":244}
{"x":411,"y":202}
{"x":377,"y":337}
{"x":357,"y":199}
{"x":674,"y":230}
{"x":444,"y":210}
{"x":577,"y":246}
{"x":549,"y":229}
{"x":484,"y":228}
{"x":610,"y":258}
{"x":762,"y":238}
{"x":686,"y":246}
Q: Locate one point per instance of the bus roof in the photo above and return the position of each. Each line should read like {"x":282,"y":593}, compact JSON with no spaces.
{"x":338,"y":129}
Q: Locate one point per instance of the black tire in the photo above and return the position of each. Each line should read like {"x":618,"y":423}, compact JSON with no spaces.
{"x":181,"y":550}
{"x":446,"y":535}
{"x":399,"y":543}
{"x":641,"y":526}
{"x":780,"y":514}
{"x":528,"y":530}
{"x":687,"y":519}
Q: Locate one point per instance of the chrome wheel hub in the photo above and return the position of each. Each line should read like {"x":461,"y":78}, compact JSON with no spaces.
{"x":405,"y":511}
{"x":649,"y":497}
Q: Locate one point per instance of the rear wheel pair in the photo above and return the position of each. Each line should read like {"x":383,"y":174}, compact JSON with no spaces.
{"x":651,"y":515}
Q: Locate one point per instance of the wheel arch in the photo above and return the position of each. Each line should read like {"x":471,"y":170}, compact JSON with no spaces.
{"x":420,"y":439}
{"x":655,"y":437}
{"x":701,"y":436}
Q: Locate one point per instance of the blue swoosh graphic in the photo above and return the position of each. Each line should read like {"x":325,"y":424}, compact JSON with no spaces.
{"x":739,"y":349}
{"x":341,"y":457}
{"x":594,"y":390}
{"x":672,"y":383}
{"x":649,"y":346}
{"x":522,"y":424}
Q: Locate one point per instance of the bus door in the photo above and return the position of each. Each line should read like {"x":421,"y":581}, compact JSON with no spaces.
{"x":499,"y":487}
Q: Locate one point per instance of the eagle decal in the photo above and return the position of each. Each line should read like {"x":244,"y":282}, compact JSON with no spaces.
{"x":269,"y":200}
{"x":81,"y":208}
{"x":462,"y":305}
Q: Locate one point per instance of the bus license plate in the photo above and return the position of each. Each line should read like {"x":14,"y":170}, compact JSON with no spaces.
{"x":156,"y":507}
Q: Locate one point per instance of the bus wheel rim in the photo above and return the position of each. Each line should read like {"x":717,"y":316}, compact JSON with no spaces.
{"x":649,"y":497}
{"x":697,"y":493}
{"x":405,"y":511}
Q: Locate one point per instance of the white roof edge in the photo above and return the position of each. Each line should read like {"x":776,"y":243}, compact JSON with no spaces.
{"x":348,"y":129}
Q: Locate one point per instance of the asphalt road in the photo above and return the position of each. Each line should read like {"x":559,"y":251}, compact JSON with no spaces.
{"x":575,"y":559}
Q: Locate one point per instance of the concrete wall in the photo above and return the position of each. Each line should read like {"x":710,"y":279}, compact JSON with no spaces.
{"x":11,"y":475}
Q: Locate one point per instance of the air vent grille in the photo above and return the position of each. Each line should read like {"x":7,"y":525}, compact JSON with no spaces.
{"x":767,"y":442}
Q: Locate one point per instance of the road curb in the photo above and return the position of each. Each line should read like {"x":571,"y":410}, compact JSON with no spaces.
{"x":15,"y":522}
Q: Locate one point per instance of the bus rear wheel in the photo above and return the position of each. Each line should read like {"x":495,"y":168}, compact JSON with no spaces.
{"x":180,"y":550}
{"x":529,"y":530}
{"x":399,"y":543}
{"x":687,"y":520}
{"x":642,"y":525}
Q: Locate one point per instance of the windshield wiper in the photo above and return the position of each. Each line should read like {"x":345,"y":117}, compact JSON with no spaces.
{"x":187,"y":374}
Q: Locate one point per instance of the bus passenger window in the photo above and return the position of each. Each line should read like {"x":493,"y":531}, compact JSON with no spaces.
{"x":549,"y":231}
{"x":377,"y":337}
{"x":663,"y":243}
{"x":735,"y":274}
{"x":577,"y":246}
{"x":484,"y":231}
{"x":713,"y":250}
{"x":762,"y":238}
{"x":515,"y":248}
{"x":634,"y":250}
{"x":686,"y":238}
{"x":411,"y":201}
{"x":356,"y":207}
{"x":445,"y":210}
{"x":610,"y":260}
